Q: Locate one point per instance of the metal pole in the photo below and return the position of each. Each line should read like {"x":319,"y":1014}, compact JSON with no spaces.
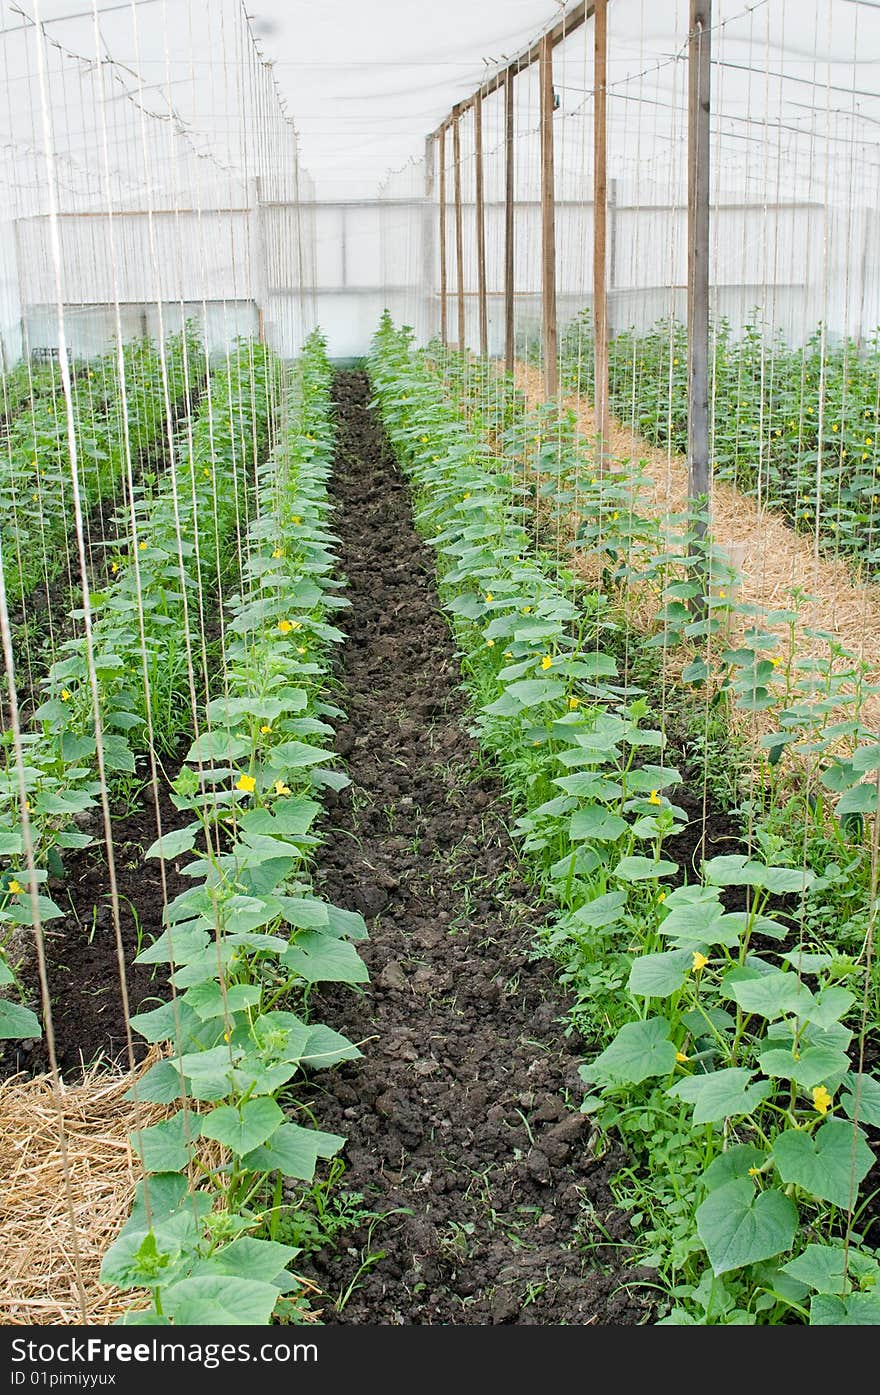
{"x":444,"y":318}
{"x":459,"y":229}
{"x":480,"y":227}
{"x":600,"y":243}
{"x":548,"y":220}
{"x":509,"y":322}
{"x":698,"y":261}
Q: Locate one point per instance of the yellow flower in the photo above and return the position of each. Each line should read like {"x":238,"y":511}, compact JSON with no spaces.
{"x":779,"y":433}
{"x":309,"y":436}
{"x":142,"y":546}
{"x":546,"y":662}
{"x":296,"y":519}
{"x":869,"y":440}
{"x":301,"y":649}
{"x":207,"y":473}
{"x":489,"y":598}
{"x":821,"y":1099}
{"x":573,"y":702}
{"x":776,"y":662}
{"x":661,"y":895}
{"x":594,"y":480}
{"x":722,"y":595}
{"x":227,"y":1036}
{"x":675,"y":363}
{"x":424,"y":440}
{"x":810,"y":411}
{"x":680,"y":1056}
{"x":490,"y":644}
{"x":65,"y":695}
{"x":278,"y":552}
{"x":700,"y":961}
{"x":465,"y":496}
{"x":508,"y":653}
{"x":265,"y":729}
{"x":114,"y":567}
{"x":835,"y":427}
{"x":864,"y":455}
{"x":527,"y":610}
{"x":754,"y":1172}
{"x":247,"y":783}
{"x":16,"y":888}
{"x":281,"y":788}
{"x":285,"y":626}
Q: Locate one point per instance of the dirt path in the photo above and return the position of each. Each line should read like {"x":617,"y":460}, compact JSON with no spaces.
{"x":461,"y":1118}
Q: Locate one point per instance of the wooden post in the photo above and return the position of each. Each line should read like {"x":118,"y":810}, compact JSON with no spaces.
{"x":698,"y":261}
{"x":509,"y":321}
{"x":459,"y":230}
{"x":441,"y":198}
{"x":429,"y":262}
{"x":548,"y":219}
{"x":600,"y":243}
{"x":480,"y":227}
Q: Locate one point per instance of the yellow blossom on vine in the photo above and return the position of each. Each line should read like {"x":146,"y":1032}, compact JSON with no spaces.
{"x":143,"y":546}
{"x":114,"y":567}
{"x":821,"y":1099}
{"x":16,"y":888}
{"x":680,"y":1057}
{"x":654,"y":797}
{"x":281,"y":788}
{"x":297,"y":520}
{"x":301,"y":649}
{"x":700,"y":961}
{"x":265,"y":729}
{"x":573,"y":702}
{"x":661,"y":896}
{"x":207,"y":473}
{"x":424,"y":440}
{"x":754,"y":1172}
{"x":776,"y":662}
{"x":285,"y":626}
{"x":490,"y":644}
{"x":65,"y":695}
{"x":527,"y":610}
{"x":547,"y":662}
{"x":279,"y":552}
{"x":246,"y":783}
{"x":489,"y":598}
{"x":465,"y":496}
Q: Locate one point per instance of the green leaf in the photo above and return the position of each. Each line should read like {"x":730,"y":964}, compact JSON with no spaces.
{"x":814,"y":1065}
{"x":776,"y":994}
{"x":180,"y":840}
{"x":820,"y":1267}
{"x":740,"y":1226}
{"x":720,"y":1094}
{"x":862,"y":799}
{"x":160,"y":1085}
{"x":858,"y":1310}
{"x":218,"y":745}
{"x":729,"y":1166}
{"x":828,"y":1164}
{"x":640,"y":1050}
{"x":642,"y":869}
{"x":658,"y":975}
{"x":865,"y":1108}
{"x":165,"y":1147}
{"x":594,"y":822}
{"x":324,"y":959}
{"x":245,"y":1128}
{"x":17,"y":1021}
{"x":221,"y":1300}
{"x":248,"y":1258}
{"x":294,"y":1151}
{"x":533,"y":691}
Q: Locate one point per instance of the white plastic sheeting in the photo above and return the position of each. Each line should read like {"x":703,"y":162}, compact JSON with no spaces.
{"x":236,"y":166}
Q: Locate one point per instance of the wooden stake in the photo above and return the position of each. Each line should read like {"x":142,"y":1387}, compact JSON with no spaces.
{"x":480,"y":227}
{"x":441,"y":199}
{"x":600,"y":255}
{"x":698,"y":260}
{"x":459,"y":229}
{"x":509,"y":322}
{"x":548,"y":219}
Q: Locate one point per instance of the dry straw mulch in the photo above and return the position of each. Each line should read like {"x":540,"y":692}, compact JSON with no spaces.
{"x":39,"y":1265}
{"x":773,"y":559}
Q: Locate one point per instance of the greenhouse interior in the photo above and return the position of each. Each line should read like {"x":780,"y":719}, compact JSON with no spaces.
{"x":440,"y":696}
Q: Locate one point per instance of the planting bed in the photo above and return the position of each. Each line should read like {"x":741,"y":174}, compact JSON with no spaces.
{"x":461,"y":1118}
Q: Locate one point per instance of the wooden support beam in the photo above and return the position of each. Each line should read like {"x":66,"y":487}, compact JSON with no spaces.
{"x":480,"y":217}
{"x":459,"y":228}
{"x":548,"y":221}
{"x":600,"y":241}
{"x":441,"y":199}
{"x":561,"y":30}
{"x":509,"y":323}
{"x":698,"y":260}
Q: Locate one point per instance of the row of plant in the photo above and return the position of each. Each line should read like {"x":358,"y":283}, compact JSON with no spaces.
{"x":732,"y":1063}
{"x":245,"y":943}
{"x":110,"y":428}
{"x":797,"y":427}
{"x":147,"y":642}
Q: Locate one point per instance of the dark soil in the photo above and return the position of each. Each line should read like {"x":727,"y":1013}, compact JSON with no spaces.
{"x":463,"y":1131}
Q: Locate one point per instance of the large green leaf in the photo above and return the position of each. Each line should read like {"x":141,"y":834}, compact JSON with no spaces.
{"x":739,"y":1225}
{"x":219,"y":1300}
{"x":642,"y":869}
{"x":595,"y":822}
{"x":294,"y":1151}
{"x":658,"y":975}
{"x":324,"y":959}
{"x":245,"y":1128}
{"x":165,"y":1147}
{"x":180,"y":840}
{"x":719,"y":1094}
{"x":829,"y":1164}
{"x":17,"y":1021}
{"x":640,"y":1050}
